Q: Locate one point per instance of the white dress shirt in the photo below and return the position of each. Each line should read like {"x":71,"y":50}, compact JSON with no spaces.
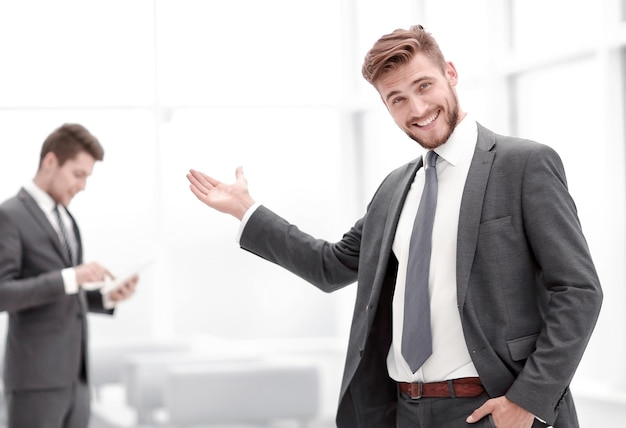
{"x":450,"y":358}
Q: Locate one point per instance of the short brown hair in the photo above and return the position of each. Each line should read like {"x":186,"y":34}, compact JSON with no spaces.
{"x":398,"y":48}
{"x":68,"y":140}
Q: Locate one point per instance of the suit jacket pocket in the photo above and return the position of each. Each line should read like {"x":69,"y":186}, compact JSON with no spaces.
{"x":522,"y":347}
{"x":495,"y":225}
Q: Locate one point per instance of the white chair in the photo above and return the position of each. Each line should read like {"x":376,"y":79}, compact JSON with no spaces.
{"x":240,"y":392}
{"x":108,"y":361}
{"x":145,"y":377}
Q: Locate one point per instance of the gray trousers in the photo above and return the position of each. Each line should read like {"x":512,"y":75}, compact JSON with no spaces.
{"x":442,"y":412}
{"x":50,"y":408}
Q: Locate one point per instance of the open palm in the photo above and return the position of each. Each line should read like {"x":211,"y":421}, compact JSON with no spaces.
{"x":232,"y":198}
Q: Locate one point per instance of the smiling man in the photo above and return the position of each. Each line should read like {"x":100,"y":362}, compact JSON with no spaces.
{"x":42,"y":274}
{"x":476,"y":294}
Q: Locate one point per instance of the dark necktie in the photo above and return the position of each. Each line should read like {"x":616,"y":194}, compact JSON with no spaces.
{"x":64,"y":234}
{"x":416,"y":332}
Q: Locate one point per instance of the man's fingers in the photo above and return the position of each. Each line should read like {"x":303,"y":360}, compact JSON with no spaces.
{"x":197,"y":180}
{"x":199,"y":194}
{"x":202,"y":181}
{"x":208,"y":180}
{"x":479,"y":413}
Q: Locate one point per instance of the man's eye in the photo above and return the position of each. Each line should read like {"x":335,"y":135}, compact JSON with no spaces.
{"x":424,"y":85}
{"x":396,"y":100}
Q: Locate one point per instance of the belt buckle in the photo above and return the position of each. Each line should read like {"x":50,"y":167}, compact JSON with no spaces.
{"x":420,"y":390}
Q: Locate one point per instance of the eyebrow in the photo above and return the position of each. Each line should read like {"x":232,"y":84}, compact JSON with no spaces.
{"x":415,"y":82}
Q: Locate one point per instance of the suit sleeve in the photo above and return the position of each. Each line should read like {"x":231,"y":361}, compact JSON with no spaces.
{"x":95,"y":301}
{"x":329,"y":266}
{"x":17,"y":292}
{"x":555,"y":235}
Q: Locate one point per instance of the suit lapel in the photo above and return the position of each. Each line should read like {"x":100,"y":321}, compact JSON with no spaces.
{"x":396,"y":204}
{"x":391,"y":223}
{"x":40,"y":218}
{"x":471,"y":209}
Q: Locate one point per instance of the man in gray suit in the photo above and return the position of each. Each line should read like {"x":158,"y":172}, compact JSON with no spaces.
{"x":513,"y":292}
{"x":42,"y":287}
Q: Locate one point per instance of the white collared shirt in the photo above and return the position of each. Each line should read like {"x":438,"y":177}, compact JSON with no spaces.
{"x":450,"y":358}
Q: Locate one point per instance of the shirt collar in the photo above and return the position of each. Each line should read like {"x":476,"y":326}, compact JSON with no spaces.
{"x":45,"y":201}
{"x":461,"y":142}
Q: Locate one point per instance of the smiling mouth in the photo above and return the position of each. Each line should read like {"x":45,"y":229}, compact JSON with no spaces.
{"x":428,"y":121}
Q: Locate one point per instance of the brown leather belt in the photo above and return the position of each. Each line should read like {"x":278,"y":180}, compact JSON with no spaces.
{"x":463,"y":387}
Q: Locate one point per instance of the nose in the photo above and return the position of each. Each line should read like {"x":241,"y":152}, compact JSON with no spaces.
{"x":418,"y":106}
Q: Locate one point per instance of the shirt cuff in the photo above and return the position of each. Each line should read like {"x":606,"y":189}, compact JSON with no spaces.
{"x":107,"y":303}
{"x":245,"y":218}
{"x":69,"y":280}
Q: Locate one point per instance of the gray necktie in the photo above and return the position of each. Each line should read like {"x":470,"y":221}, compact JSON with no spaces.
{"x":64,"y":234}
{"x":416,"y":332}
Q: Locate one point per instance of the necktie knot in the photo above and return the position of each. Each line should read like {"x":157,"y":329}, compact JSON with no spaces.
{"x":431,"y":159}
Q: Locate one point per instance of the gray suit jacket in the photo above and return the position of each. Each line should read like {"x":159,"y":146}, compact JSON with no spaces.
{"x":46,"y":344}
{"x":527,"y":290}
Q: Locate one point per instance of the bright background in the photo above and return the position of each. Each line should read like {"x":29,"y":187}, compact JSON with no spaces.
{"x":275,"y":86}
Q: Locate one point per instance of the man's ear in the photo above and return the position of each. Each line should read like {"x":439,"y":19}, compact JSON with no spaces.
{"x":50,"y":161}
{"x":451,"y":74}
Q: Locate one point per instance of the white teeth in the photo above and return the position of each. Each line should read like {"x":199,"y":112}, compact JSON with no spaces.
{"x":428,"y":121}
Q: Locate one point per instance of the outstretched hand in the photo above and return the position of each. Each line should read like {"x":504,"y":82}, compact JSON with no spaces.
{"x":232,"y":199}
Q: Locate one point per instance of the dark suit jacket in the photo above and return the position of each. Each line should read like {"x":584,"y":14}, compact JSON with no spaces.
{"x":46,"y":345}
{"x":527,"y":290}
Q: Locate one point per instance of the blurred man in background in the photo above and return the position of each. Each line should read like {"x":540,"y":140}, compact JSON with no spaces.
{"x":47,"y":289}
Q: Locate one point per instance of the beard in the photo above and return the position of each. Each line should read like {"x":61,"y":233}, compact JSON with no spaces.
{"x":451,"y":119}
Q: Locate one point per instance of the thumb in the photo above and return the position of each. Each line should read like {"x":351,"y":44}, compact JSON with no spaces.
{"x":239,"y":172}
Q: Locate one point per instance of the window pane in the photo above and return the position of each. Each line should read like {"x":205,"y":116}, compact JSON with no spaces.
{"x":623,"y":84}
{"x":292,"y":167}
{"x":463,"y":36}
{"x":71,"y":52}
{"x":278,"y":52}
{"x":561,"y":25}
